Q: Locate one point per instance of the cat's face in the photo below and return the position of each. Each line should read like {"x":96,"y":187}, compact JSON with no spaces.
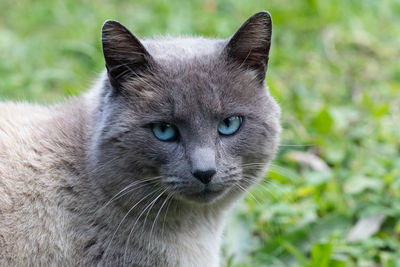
{"x":191,"y":116}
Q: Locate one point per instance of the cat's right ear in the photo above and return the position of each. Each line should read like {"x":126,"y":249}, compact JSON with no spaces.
{"x":124,"y":54}
{"x":249,"y":46}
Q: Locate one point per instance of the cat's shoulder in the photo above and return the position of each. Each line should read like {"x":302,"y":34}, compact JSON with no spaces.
{"x":14,"y":113}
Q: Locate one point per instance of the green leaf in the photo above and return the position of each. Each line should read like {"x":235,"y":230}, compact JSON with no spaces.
{"x":320,"y":255}
{"x":323,"y":122}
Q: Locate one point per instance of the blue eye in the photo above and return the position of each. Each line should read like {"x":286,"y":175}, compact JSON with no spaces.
{"x":230,"y":125}
{"x":164,"y":131}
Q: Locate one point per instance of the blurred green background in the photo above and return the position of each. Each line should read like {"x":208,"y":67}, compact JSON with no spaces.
{"x":332,"y":196}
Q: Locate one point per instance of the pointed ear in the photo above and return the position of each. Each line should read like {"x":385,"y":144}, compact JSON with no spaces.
{"x":250,"y":45}
{"x":124,"y":54}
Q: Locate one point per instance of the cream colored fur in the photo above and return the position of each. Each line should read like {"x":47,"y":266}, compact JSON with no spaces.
{"x":33,"y":225}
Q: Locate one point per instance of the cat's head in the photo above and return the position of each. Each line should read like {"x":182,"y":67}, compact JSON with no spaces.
{"x":187,"y":117}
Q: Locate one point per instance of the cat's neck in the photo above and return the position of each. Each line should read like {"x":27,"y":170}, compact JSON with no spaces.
{"x":181,"y":233}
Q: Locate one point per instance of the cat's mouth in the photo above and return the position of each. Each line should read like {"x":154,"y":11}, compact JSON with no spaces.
{"x":205,"y":196}
{"x":196,"y":192}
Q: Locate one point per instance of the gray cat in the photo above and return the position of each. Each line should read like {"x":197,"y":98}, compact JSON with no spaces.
{"x":142,"y":169}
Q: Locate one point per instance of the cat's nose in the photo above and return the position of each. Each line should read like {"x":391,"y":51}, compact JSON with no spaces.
{"x":204,"y":176}
{"x":203,"y":164}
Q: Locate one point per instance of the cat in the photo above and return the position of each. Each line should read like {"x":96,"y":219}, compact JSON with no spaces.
{"x":142,"y":169}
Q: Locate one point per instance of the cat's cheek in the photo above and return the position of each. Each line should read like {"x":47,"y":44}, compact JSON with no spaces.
{"x":167,"y":153}
{"x":153,"y":151}
{"x":236,"y":146}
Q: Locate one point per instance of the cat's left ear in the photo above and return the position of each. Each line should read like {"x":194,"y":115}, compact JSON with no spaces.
{"x":124,"y":54}
{"x":249,"y":46}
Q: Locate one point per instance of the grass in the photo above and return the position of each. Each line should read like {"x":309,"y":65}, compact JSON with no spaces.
{"x":334,"y":70}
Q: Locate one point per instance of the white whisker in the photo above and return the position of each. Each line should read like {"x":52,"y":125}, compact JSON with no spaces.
{"x":247,"y":191}
{"x":126,"y":215}
{"x":140,"y":215}
{"x":165,"y":217}
{"x":155,"y":220}
{"x":128,"y":187}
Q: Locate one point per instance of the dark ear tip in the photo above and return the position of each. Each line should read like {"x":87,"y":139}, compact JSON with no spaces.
{"x":262,"y":15}
{"x":110,"y":24}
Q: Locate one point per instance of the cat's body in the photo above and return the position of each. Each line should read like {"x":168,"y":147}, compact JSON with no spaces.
{"x":62,"y":168}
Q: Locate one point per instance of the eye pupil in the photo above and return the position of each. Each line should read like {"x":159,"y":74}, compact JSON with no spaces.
{"x":227,"y":122}
{"x":163,"y":126}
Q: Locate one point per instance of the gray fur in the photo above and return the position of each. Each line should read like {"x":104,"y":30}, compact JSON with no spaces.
{"x":87,"y":150}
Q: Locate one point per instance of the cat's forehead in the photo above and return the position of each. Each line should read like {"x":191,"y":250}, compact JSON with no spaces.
{"x":202,"y":89}
{"x":191,"y":79}
{"x":177,"y":48}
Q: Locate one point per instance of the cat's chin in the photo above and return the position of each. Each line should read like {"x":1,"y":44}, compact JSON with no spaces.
{"x":206,"y":196}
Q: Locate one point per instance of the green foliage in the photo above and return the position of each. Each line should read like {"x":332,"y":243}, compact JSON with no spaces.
{"x":334,"y":70}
